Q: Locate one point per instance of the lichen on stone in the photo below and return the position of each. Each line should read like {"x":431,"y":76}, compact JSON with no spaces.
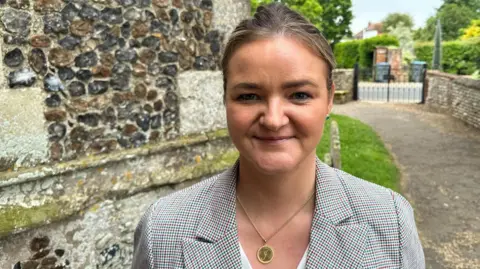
{"x":219,"y":133}
{"x":17,"y":218}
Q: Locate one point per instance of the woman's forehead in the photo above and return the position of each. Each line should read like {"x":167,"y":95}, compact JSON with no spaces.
{"x":279,"y":56}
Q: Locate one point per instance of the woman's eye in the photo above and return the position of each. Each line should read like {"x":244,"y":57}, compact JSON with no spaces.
{"x":247,"y":97}
{"x":301,"y":96}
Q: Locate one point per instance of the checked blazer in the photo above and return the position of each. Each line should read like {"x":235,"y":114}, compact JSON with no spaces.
{"x":356,"y":224}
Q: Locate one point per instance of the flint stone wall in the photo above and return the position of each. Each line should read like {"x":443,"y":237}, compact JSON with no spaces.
{"x":105,"y":106}
{"x":458,"y":96}
{"x":106,"y":75}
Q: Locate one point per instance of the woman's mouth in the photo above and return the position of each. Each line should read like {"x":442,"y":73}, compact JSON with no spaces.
{"x":272,"y":139}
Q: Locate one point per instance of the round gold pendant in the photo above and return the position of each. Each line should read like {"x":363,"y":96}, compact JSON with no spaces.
{"x":265,"y":254}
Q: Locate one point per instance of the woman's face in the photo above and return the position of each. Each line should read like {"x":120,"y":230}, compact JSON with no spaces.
{"x":276,"y":101}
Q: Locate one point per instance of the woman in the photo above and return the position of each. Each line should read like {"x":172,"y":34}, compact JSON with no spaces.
{"x":278,"y":206}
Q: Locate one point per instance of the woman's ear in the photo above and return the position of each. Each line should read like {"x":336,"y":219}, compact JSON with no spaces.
{"x":332,"y":95}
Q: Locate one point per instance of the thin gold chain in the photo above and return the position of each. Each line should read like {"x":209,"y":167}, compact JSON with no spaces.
{"x":281,"y":227}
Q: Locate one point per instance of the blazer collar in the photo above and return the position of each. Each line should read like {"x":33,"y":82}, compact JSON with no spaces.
{"x":331,"y":200}
{"x":216,"y":243}
{"x":334,"y":241}
{"x":332,"y":244}
{"x":220,"y":210}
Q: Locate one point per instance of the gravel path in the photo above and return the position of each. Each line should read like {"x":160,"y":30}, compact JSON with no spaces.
{"x":439,"y":157}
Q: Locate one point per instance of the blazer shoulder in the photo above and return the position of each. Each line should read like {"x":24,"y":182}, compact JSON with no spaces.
{"x":367,"y":197}
{"x":183,"y":202}
{"x":389,"y":215}
{"x":159,"y":233}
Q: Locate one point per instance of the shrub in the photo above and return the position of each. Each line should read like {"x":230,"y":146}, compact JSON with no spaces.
{"x":459,"y":57}
{"x":472,"y":31}
{"x":346,"y":53}
{"x":476,"y":75}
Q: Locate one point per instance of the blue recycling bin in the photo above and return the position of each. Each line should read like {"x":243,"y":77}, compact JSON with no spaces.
{"x":417,"y":71}
{"x":381,"y":72}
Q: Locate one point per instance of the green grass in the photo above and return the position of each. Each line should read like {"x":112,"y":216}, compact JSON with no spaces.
{"x":363,"y":153}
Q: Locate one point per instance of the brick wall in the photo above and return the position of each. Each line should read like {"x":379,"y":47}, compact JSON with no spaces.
{"x":459,"y":96}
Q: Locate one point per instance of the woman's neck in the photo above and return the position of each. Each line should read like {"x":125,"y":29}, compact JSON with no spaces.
{"x":278,"y":194}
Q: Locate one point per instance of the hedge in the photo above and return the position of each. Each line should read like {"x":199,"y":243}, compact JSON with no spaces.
{"x":347,"y":53}
{"x":458,"y":57}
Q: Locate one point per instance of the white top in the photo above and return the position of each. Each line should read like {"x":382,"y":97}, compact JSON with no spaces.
{"x":246,"y":263}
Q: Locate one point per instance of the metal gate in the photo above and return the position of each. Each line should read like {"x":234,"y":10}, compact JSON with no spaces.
{"x":396,"y":86}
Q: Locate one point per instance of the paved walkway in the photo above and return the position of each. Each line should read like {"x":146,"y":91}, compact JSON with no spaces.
{"x":440,"y":161}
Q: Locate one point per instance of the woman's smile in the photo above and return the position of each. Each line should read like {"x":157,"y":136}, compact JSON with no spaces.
{"x":273,"y":140}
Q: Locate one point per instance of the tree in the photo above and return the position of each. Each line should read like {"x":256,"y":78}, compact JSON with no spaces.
{"x":471,"y":31}
{"x":310,"y":9}
{"x":405,"y":38}
{"x":472,"y":4}
{"x":254,"y":4}
{"x":420,"y":34}
{"x":393,"y":19}
{"x":332,"y":17}
{"x":452,"y":17}
{"x":336,"y":19}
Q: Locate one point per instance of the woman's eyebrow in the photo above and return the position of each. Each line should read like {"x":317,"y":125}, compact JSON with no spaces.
{"x":298,"y":84}
{"x":246,"y":86}
{"x":286,"y":85}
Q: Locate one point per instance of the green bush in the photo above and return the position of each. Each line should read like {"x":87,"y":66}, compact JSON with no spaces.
{"x":476,"y":75}
{"x":424,"y":52}
{"x":459,"y":57}
{"x":346,"y":53}
{"x":367,"y":47}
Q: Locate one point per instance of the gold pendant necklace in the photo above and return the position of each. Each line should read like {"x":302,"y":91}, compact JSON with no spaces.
{"x":266,"y":253}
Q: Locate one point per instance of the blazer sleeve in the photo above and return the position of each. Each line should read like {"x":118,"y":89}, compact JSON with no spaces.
{"x":142,"y":255}
{"x":411,"y":251}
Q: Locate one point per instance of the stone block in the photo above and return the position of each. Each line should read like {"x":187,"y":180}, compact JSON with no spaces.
{"x":343,"y":80}
{"x":229,"y":13}
{"x":100,"y":238}
{"x":22,"y":133}
{"x":201,"y":101}
{"x":340,"y":97}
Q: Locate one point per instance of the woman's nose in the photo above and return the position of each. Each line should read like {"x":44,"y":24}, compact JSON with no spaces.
{"x":273,"y":116}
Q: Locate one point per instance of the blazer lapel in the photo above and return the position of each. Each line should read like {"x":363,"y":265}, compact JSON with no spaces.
{"x":216,"y":243}
{"x":224,"y":253}
{"x":333,"y":244}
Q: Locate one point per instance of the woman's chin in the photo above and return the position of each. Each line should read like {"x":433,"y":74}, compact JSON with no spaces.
{"x":275,"y":165}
